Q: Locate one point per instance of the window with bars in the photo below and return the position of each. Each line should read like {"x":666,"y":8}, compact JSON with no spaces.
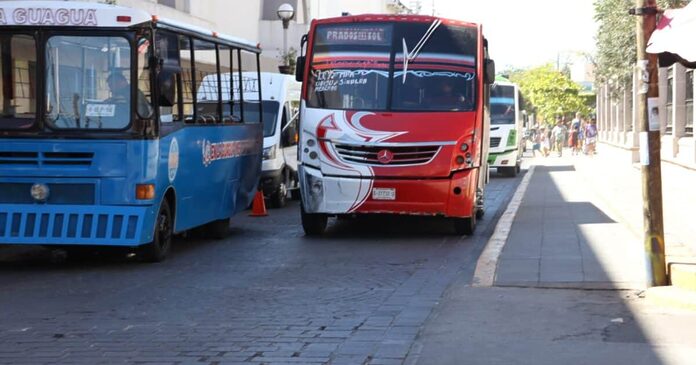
{"x":670,"y":100}
{"x":182,"y":5}
{"x":689,"y":127}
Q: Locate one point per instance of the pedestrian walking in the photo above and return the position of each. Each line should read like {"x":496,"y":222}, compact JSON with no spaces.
{"x":558,"y":136}
{"x":544,"y":140}
{"x":591,"y":137}
{"x":536,"y":141}
{"x":574,"y":132}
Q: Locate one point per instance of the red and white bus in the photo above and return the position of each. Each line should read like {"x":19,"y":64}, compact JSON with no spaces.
{"x":394,"y":119}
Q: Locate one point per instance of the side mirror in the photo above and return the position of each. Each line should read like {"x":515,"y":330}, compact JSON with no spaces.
{"x":489,"y":70}
{"x":166,"y":83}
{"x":299,"y":68}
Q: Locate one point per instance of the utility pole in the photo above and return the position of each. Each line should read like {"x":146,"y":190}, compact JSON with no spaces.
{"x":648,"y":120}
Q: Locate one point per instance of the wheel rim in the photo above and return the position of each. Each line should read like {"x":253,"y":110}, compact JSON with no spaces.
{"x":283,"y":190}
{"x":164,"y":232}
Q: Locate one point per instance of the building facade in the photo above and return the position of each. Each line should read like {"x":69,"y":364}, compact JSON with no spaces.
{"x":257,"y":20}
{"x":617,"y":122}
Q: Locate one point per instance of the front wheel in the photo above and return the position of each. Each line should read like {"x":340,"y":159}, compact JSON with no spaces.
{"x":314,"y":224}
{"x":280,"y":196}
{"x":159,"y":248}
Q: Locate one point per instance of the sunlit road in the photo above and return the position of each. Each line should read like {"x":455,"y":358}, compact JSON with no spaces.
{"x":267,"y":294}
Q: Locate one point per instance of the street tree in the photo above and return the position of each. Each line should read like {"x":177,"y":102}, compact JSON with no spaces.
{"x":550,"y":93}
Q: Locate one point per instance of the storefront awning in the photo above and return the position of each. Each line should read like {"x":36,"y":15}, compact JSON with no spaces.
{"x":673,"y":40}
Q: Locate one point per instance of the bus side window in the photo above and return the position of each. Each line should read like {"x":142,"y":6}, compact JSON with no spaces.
{"x":144,"y":94}
{"x":207,"y":87}
{"x":186,"y":79}
{"x":226,"y":69}
{"x":170,"y":73}
{"x":250,"y":88}
{"x":238,"y":97}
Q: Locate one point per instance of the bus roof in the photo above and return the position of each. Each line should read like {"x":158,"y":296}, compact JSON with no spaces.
{"x":88,"y":14}
{"x":392,"y":18}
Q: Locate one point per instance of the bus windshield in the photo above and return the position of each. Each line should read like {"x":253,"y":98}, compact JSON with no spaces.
{"x":362,"y":66}
{"x":502,"y":104}
{"x":88,"y":82}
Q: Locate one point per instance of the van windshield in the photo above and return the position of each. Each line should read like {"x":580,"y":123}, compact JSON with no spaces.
{"x":270,"y":114}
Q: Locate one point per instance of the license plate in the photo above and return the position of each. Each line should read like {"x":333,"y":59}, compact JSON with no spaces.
{"x":384,"y":194}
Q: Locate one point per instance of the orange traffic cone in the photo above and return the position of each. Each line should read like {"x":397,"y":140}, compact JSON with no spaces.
{"x":258,"y":208}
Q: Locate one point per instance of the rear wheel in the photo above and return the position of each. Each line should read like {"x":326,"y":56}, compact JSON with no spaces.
{"x":314,"y":224}
{"x":159,"y":248}
{"x":465,"y":226}
{"x":218,"y":229}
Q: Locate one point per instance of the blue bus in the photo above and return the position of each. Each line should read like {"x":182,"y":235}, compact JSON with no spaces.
{"x":109,"y":135}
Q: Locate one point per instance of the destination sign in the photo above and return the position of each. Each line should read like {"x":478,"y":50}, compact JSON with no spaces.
{"x":48,"y":16}
{"x":355,"y":34}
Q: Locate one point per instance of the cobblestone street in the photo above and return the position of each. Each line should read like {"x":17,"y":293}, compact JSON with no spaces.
{"x":267,"y":294}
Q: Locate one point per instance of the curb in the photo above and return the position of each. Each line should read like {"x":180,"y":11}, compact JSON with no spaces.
{"x":670,"y":296}
{"x":683,"y":276}
{"x":484,"y":275}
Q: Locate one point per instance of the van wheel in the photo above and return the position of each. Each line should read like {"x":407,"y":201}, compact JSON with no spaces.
{"x":314,"y":224}
{"x":280,"y":196}
{"x":465,"y":226}
{"x":159,"y":248}
{"x":508,"y":171}
{"x":218,"y":229}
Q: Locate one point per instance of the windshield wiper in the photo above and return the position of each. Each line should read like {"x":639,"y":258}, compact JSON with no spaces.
{"x":408,"y":57}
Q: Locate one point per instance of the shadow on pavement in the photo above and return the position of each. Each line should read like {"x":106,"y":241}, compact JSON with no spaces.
{"x":559,"y":240}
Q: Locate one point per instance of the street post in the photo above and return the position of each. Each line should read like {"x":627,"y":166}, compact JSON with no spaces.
{"x":648,"y":120}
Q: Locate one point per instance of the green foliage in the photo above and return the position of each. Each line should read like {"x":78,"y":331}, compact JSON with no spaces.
{"x":549,"y":93}
{"x":616,"y":38}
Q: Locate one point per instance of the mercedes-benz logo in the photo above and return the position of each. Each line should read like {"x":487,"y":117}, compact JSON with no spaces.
{"x":385,"y":156}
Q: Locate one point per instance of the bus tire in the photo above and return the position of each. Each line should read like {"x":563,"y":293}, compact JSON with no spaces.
{"x":217,"y":229}
{"x":158,"y":249}
{"x":280,"y":196}
{"x":508,"y":171}
{"x":314,"y":224}
{"x":465,"y":226}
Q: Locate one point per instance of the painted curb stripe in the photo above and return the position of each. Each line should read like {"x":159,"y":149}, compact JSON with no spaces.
{"x":484,"y":276}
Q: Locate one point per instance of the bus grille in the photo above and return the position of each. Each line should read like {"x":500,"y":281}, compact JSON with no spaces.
{"x":495,"y":142}
{"x":400,"y":155}
{"x":46,"y":158}
{"x":19,"y":193}
{"x":81,"y":225}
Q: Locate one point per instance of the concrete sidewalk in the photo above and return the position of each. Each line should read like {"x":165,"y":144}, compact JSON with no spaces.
{"x":563,"y":237}
{"x":580,"y":224}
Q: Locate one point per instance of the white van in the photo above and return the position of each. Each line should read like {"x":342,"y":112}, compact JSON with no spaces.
{"x":281,"y":103}
{"x":281,"y":106}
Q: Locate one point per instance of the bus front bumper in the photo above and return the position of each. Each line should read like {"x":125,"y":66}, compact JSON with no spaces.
{"x":503,"y":159}
{"x":450,"y":197}
{"x":36,"y":224}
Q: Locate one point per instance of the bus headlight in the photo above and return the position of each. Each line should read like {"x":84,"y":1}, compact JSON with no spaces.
{"x":269,"y":153}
